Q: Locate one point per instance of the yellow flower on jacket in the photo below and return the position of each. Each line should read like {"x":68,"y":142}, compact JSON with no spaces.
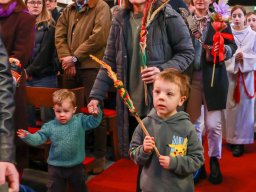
{"x":179,"y":148}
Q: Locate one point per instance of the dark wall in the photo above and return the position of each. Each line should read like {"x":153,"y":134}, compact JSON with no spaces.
{"x":242,"y":2}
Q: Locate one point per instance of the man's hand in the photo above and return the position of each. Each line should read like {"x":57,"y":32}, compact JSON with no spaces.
{"x":70,"y":72}
{"x":164,"y":161}
{"x":67,"y":62}
{"x":148,"y":144}
{"x":8,"y":173}
{"x":148,"y":75}
{"x":93,"y":107}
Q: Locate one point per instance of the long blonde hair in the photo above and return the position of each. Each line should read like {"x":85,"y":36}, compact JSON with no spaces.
{"x":44,"y":16}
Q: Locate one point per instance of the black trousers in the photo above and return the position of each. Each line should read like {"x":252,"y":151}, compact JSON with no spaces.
{"x":60,"y":176}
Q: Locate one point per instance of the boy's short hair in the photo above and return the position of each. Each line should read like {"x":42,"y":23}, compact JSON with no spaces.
{"x":62,"y":94}
{"x":176,"y":77}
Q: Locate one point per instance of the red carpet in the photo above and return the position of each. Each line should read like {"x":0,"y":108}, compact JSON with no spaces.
{"x":238,"y":175}
{"x":120,"y":177}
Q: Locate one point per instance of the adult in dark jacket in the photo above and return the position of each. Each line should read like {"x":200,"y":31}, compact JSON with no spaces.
{"x":42,"y":67}
{"x":168,"y":46}
{"x":17,"y":30}
{"x":7,"y":148}
{"x":52,"y":7}
{"x":213,"y":97}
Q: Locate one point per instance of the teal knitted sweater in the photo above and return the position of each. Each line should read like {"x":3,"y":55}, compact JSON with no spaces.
{"x":67,"y":140}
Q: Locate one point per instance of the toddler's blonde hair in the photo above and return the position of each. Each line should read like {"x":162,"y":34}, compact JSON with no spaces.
{"x":62,"y":94}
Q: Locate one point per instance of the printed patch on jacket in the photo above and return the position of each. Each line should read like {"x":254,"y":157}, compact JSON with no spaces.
{"x":178,"y":146}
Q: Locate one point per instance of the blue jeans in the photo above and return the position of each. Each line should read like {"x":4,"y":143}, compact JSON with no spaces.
{"x":48,"y":81}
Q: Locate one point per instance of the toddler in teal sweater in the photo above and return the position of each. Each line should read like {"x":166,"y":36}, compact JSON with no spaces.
{"x":67,"y":135}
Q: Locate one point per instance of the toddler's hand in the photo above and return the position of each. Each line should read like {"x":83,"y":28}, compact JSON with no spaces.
{"x":22,"y":133}
{"x":164,"y":161}
{"x":148,"y":144}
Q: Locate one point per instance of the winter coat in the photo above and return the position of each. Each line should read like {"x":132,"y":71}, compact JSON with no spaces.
{"x":216,"y":96}
{"x":83,"y":33}
{"x":44,"y":61}
{"x":7,"y":147}
{"x":18,"y":35}
{"x":168,"y":46}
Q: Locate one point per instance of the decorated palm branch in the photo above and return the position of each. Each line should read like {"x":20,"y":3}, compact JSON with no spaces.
{"x":220,"y":18}
{"x":124,"y":95}
{"x":148,"y":16}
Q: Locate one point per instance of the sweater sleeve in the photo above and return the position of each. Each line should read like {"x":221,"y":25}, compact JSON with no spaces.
{"x":90,"y":121}
{"x":136,"y":151}
{"x":39,"y":137}
{"x":193,"y":160}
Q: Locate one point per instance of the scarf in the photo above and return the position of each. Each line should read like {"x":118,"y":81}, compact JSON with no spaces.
{"x":7,"y":12}
{"x":202,"y":22}
{"x":81,"y":5}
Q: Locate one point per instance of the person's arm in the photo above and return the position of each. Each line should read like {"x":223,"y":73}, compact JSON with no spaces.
{"x":61,"y":35}
{"x":8,"y":171}
{"x":192,"y":160}
{"x":91,"y":121}
{"x":37,"y":138}
{"x":103,"y":82}
{"x":7,"y":106}
{"x":181,"y":43}
{"x":136,"y":151}
{"x":24,"y":38}
{"x":99,"y":35}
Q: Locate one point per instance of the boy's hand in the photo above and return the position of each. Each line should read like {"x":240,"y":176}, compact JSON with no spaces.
{"x":164,"y":161}
{"x":21,"y":133}
{"x":148,"y":144}
{"x":93,"y":107}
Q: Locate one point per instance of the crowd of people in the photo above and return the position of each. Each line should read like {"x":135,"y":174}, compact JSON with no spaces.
{"x":180,"y":102}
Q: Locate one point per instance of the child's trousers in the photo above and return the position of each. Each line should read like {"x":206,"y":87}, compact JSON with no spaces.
{"x":60,"y":176}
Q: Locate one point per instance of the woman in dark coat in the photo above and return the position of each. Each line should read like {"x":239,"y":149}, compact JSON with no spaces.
{"x":168,"y":46}
{"x":213,"y":97}
{"x":17,"y":29}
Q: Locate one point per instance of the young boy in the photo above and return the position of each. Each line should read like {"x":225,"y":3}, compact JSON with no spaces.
{"x":174,"y":136}
{"x":67,"y":136}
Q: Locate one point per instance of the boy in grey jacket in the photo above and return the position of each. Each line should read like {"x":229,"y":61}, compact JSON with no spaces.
{"x":174,"y":136}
